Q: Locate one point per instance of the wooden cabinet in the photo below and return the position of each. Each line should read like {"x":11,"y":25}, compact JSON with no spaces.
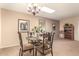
{"x":69,"y":32}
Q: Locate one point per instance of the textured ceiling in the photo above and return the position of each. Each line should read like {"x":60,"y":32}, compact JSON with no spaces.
{"x":62,"y":10}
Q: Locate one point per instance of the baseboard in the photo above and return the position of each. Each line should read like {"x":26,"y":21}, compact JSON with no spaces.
{"x":9,"y":46}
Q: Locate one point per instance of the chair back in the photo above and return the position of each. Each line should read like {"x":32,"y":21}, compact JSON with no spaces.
{"x":50,"y":37}
{"x":20,"y":40}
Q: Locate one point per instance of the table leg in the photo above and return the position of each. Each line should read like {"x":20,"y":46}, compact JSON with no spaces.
{"x":33,"y":50}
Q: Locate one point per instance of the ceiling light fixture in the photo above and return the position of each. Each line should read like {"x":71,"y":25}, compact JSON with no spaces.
{"x":48,"y":10}
{"x":33,"y":8}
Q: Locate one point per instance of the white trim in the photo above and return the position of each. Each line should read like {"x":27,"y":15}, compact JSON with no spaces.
{"x":9,"y":46}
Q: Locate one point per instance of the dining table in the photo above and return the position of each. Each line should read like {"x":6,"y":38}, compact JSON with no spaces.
{"x":37,"y":42}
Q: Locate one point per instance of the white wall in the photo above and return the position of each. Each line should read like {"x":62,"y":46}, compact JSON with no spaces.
{"x":78,"y":29}
{"x":0,"y":28}
{"x":10,"y":26}
{"x":74,"y":21}
{"x":49,"y":27}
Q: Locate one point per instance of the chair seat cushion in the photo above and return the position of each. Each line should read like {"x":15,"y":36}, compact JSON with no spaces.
{"x":46,"y":46}
{"x":27,"y":46}
{"x":45,"y":51}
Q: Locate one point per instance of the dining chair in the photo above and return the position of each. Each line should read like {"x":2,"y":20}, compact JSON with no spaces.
{"x":47,"y":45}
{"x":24,"y":47}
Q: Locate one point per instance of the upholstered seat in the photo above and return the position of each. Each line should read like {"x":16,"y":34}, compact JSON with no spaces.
{"x":27,"y":47}
{"x":47,"y":51}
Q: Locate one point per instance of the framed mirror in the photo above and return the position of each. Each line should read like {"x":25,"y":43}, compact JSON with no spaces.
{"x":42,"y":25}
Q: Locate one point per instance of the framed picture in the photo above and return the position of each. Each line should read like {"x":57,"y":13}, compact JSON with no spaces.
{"x":23,"y":25}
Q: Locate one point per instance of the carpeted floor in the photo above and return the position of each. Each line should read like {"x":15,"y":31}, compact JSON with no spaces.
{"x":60,"y":48}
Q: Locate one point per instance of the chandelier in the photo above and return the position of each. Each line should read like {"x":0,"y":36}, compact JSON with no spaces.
{"x":33,"y":8}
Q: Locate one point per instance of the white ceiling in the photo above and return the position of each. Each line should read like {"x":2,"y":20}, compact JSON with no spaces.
{"x":62,"y":10}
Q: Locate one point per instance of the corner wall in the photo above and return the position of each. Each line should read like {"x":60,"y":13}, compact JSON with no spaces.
{"x":0,"y":27}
